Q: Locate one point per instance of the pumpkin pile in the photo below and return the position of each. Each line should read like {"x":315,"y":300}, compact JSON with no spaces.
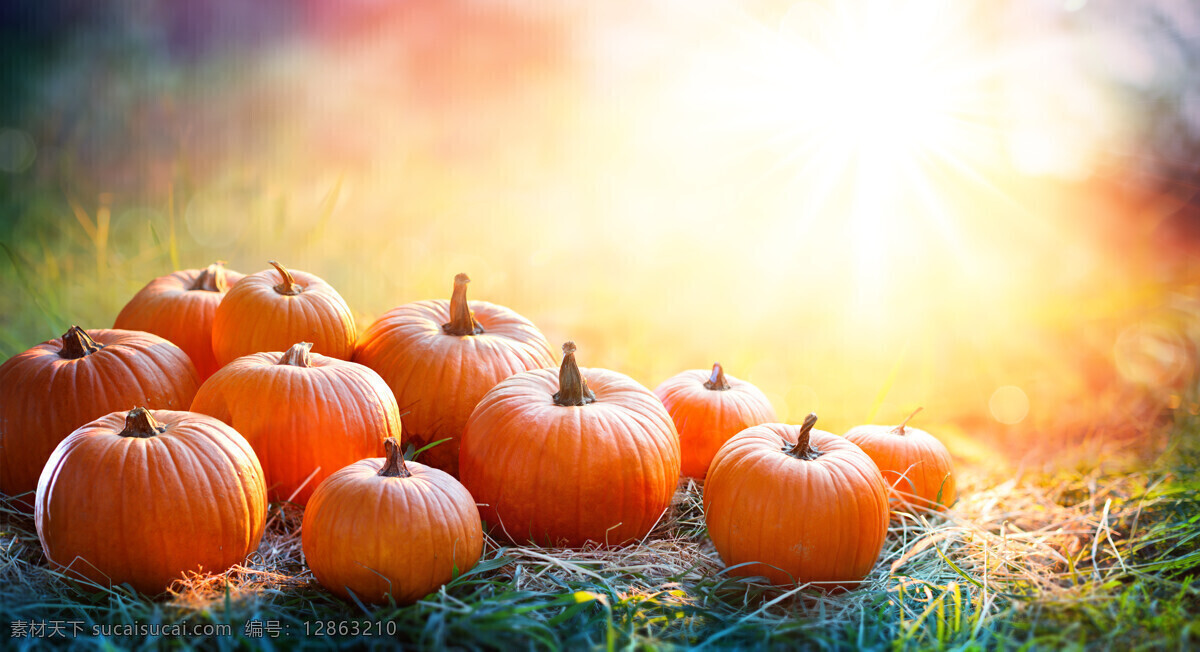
{"x":257,"y":388}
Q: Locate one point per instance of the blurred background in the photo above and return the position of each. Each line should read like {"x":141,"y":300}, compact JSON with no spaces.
{"x":984,"y":208}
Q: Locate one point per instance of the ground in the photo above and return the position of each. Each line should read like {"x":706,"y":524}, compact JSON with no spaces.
{"x":1103,"y":559}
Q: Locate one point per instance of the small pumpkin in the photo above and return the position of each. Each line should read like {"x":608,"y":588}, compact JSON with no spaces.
{"x":273,"y":309}
{"x":57,"y":386}
{"x":180,"y":307}
{"x":146,"y":496}
{"x":914,"y":463}
{"x":382,"y":527}
{"x":708,"y":409}
{"x":440,"y":358}
{"x":571,"y":457}
{"x":796,"y":505}
{"x":306,"y":415}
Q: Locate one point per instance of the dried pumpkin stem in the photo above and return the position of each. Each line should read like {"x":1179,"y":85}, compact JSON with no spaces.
{"x":394,"y":466}
{"x":298,"y":356}
{"x":572,"y":387}
{"x":212,"y":279}
{"x":140,"y":423}
{"x":76,"y":343}
{"x":900,"y":428}
{"x":289,"y":285}
{"x":803,"y":450}
{"x":717,"y":380}
{"x":462,"y":318}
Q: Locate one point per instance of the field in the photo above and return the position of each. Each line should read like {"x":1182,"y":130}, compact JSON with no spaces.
{"x":862,"y":212}
{"x":1104,"y":560}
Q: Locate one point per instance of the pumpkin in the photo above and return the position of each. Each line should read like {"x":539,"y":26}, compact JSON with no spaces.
{"x":708,"y":409}
{"x":564,"y":459}
{"x":180,"y":307}
{"x":59,"y":385}
{"x":306,"y":415}
{"x":441,"y":357}
{"x":381,"y":527}
{"x":916,"y":465}
{"x":146,"y":496}
{"x":796,"y":505}
{"x":272,"y":310}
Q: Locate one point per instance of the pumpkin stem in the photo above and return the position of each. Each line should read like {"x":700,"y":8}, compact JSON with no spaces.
{"x":462,"y":318}
{"x":212,"y":279}
{"x":900,"y":428}
{"x":298,"y":355}
{"x":394,"y":467}
{"x":802,"y":449}
{"x":76,"y":343}
{"x":717,"y":380}
{"x":140,"y":423}
{"x":572,"y":387}
{"x":289,"y":285}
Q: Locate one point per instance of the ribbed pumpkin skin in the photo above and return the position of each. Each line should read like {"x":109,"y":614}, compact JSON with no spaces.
{"x":377,"y":535}
{"x":822,"y":520}
{"x":44,"y":397}
{"x":253,"y":318}
{"x":329,"y":415}
{"x":145,"y":510}
{"x":168,"y":307}
{"x":437,"y":378}
{"x":555,"y":475}
{"x":915,"y":465}
{"x":707,"y":418}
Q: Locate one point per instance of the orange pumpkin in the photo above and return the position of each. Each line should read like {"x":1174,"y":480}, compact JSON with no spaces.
{"x":143,"y":497}
{"x":381,"y":527}
{"x":708,"y":409}
{"x":306,"y":415}
{"x":570,"y":457}
{"x":59,"y":385}
{"x":914,"y":463}
{"x":274,"y":309}
{"x":441,"y":357}
{"x":180,"y":307}
{"x":796,"y":505}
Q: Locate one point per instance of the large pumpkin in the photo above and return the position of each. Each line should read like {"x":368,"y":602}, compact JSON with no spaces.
{"x":571,"y":457}
{"x":306,"y":415}
{"x":59,"y":385}
{"x":180,"y":307}
{"x":796,"y":505}
{"x":708,"y":409}
{"x":440,"y":358}
{"x":274,"y":309}
{"x":914,"y":463}
{"x":143,"y":497}
{"x":381,"y":527}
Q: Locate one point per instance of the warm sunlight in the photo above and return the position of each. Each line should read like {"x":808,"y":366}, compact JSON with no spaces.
{"x":647,"y":324}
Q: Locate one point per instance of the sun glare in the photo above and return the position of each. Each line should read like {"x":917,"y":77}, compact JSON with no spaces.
{"x":875,"y":98}
{"x":881,"y":98}
{"x":871,"y":142}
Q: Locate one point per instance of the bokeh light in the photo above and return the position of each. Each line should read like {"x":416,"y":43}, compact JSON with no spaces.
{"x":17,"y":150}
{"x":1009,"y":404}
{"x":862,"y":206}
